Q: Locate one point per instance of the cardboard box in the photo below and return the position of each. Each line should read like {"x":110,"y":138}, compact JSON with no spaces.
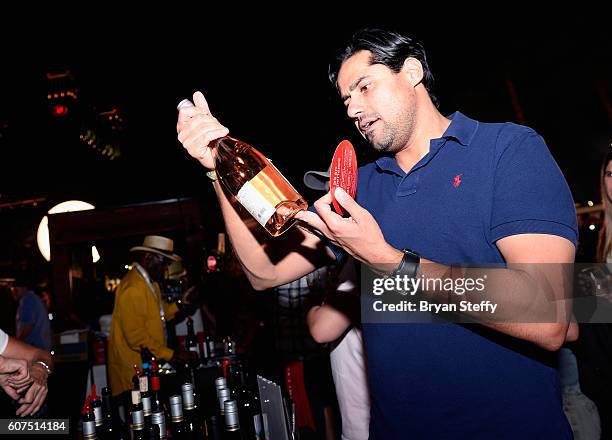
{"x":71,"y":346}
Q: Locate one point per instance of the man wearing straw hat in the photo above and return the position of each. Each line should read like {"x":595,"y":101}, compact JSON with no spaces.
{"x":140,"y":315}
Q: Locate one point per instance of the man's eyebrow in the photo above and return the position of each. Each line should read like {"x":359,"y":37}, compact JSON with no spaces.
{"x":354,"y":85}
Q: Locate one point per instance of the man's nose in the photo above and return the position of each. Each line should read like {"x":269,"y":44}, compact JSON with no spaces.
{"x":354,"y":109}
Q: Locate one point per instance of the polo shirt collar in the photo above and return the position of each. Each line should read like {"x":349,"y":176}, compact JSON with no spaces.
{"x":462,"y":129}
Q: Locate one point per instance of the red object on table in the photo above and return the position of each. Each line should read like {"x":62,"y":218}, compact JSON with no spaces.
{"x":294,"y":379}
{"x":99,"y":351}
{"x":226,"y":364}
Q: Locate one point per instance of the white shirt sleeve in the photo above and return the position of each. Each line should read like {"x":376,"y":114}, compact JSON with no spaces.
{"x":3,"y":341}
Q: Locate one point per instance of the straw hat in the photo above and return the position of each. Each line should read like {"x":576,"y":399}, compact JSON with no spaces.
{"x":158,"y":245}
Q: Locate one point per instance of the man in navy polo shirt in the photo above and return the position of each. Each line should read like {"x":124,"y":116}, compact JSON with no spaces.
{"x":445,"y":191}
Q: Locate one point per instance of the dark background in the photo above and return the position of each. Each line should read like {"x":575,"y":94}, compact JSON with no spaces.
{"x":265,"y":77}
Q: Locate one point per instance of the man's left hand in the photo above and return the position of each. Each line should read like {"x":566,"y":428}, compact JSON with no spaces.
{"x":36,"y":393}
{"x":359,"y":234}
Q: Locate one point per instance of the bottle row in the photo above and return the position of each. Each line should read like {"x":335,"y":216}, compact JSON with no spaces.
{"x":154,"y":413}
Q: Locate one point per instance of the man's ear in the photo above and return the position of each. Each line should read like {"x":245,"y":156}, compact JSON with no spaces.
{"x":413,"y":69}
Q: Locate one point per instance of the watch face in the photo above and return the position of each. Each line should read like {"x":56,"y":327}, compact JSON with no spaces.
{"x":414,"y":256}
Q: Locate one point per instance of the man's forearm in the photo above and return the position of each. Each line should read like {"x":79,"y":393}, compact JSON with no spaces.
{"x":269,"y":264}
{"x":20,"y":350}
{"x":44,"y":356}
{"x":522,"y":293}
{"x":251,"y":254}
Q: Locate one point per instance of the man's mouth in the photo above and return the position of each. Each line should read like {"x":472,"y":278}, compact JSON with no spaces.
{"x":366,"y":126}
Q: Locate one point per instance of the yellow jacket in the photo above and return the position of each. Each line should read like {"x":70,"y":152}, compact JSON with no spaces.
{"x":136,"y":322}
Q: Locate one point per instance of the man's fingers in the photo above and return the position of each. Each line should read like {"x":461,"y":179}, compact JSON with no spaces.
{"x":322,"y":205}
{"x":29,"y":400}
{"x":348,"y":203}
{"x":21,"y":389}
{"x":313,"y":220}
{"x":11,"y":392}
{"x":200,"y":101}
{"x":331,"y":218}
{"x":31,"y":394}
{"x":21,"y":383}
{"x":40,"y":399}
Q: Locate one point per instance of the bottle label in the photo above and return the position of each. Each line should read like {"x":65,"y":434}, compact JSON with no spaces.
{"x":144,"y":384}
{"x":259,"y":197}
{"x":255,"y":203}
{"x":155,"y":385}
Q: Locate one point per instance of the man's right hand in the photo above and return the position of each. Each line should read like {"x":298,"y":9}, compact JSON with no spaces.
{"x":14,"y":375}
{"x":197,"y":128}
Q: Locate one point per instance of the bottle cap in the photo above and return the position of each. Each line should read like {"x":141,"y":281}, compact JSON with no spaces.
{"x":220,"y":382}
{"x":158,"y":418}
{"x":89,"y":430}
{"x":146,"y":406}
{"x":231,"y":415}
{"x":94,"y":395}
{"x":188,"y":398}
{"x":224,"y":394}
{"x":138,"y":419}
{"x":176,"y":408}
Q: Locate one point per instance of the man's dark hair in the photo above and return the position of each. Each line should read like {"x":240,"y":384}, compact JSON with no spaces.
{"x":388,"y":48}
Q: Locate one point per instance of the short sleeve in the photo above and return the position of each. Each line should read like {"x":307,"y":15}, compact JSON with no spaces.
{"x":530,"y":193}
{"x":3,"y":341}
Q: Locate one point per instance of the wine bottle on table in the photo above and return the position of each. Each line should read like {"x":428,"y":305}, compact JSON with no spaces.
{"x":191,"y":416}
{"x":145,"y":398}
{"x":232,"y":422}
{"x":136,"y":377}
{"x":159,"y":418}
{"x":177,"y":422}
{"x":89,"y":421}
{"x":191,"y":341}
{"x":114,"y":428}
{"x":96,"y":406}
{"x":155,"y":381}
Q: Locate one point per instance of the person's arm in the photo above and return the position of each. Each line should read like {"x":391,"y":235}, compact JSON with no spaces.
{"x":533,"y":286}
{"x":275,"y":262}
{"x":326,"y":324}
{"x":265,"y":264}
{"x":340,"y":309}
{"x":20,"y":350}
{"x":36,"y":386}
{"x":573,"y":332}
{"x":361,"y":237}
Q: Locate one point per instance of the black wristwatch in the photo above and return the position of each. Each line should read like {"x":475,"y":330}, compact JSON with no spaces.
{"x":409,"y":264}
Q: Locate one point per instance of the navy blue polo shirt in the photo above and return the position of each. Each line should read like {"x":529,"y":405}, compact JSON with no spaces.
{"x":479,"y":182}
